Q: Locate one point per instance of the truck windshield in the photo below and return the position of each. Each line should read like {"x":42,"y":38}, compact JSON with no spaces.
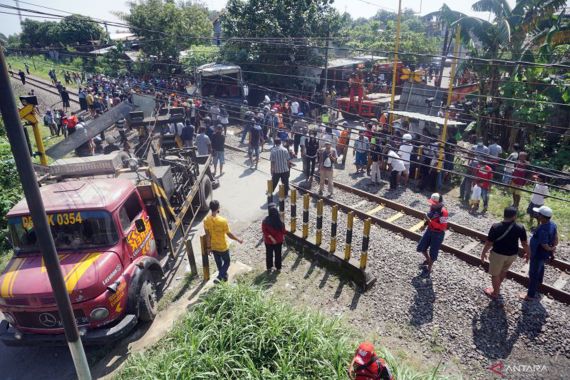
{"x":70,"y":230}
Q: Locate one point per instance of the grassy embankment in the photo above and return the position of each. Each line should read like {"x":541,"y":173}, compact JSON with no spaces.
{"x":500,"y":199}
{"x":236,"y":332}
{"x":40,"y":66}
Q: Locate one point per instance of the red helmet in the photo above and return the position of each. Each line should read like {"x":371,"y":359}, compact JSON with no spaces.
{"x":364,"y":353}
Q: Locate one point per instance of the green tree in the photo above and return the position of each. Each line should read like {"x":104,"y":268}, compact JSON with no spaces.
{"x":524,"y":32}
{"x":199,"y":55}
{"x":79,"y":30}
{"x":39,"y":34}
{"x":270,"y":39}
{"x":378,"y":34}
{"x":166,"y":28}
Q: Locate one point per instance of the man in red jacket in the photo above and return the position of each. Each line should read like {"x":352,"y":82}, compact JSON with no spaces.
{"x":436,"y":223}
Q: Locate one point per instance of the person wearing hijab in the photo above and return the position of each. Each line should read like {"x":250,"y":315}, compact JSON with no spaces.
{"x":273,"y":236}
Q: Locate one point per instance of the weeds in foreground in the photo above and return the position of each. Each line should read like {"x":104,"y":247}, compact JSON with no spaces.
{"x":236,"y":332}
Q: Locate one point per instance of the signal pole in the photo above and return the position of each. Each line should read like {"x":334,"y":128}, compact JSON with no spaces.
{"x":395,"y":70}
{"x":17,"y":140}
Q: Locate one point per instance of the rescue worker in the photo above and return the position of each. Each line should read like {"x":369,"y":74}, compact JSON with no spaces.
{"x":436,"y":223}
{"x":367,"y":365}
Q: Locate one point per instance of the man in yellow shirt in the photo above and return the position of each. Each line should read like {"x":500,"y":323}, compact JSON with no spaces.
{"x":217,"y":228}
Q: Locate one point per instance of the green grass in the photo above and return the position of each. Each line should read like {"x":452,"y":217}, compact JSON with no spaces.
{"x":237,"y":332}
{"x":500,"y":199}
{"x":40,"y":66}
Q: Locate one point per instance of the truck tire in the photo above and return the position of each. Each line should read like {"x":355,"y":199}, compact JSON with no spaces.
{"x":148,"y":302}
{"x":205,"y":193}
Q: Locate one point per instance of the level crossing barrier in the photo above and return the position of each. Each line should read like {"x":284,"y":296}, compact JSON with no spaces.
{"x":344,"y":263}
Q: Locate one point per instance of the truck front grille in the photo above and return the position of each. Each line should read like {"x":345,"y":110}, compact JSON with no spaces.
{"x":46,"y":319}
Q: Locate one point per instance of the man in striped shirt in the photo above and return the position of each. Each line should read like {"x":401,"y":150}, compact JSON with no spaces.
{"x":280,"y":161}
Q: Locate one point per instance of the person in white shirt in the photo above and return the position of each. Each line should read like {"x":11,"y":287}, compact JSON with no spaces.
{"x":539,"y":192}
{"x":510,"y":165}
{"x":396,"y":169}
{"x":475,"y":197}
{"x":295,"y":107}
{"x":405,"y":154}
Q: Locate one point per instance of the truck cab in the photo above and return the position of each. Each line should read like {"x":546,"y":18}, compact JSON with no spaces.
{"x":114,"y":241}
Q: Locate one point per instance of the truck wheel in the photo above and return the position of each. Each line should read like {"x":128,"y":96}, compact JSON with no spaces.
{"x":148,"y":303}
{"x":205,"y":193}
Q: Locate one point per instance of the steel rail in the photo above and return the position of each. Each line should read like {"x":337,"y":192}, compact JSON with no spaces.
{"x":553,"y":292}
{"x":407,"y":210}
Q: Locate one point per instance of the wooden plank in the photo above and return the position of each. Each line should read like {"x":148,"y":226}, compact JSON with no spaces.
{"x":417,"y":226}
{"x":375,"y":210}
{"x":395,"y":217}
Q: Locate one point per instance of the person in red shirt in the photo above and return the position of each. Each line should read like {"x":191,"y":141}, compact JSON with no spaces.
{"x":519,"y":178}
{"x":273,"y":235}
{"x":436,"y":223}
{"x":367,"y":365}
{"x":485,"y":175}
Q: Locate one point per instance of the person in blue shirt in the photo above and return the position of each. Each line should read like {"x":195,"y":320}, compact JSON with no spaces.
{"x":542,"y":247}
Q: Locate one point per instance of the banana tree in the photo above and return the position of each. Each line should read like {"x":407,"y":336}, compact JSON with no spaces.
{"x":445,"y":18}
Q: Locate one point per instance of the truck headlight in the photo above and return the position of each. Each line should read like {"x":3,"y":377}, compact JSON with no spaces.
{"x":10,"y":318}
{"x":99,"y":314}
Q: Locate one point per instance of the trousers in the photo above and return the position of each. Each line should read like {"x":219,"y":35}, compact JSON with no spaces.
{"x":270,"y":251}
{"x":222,"y":260}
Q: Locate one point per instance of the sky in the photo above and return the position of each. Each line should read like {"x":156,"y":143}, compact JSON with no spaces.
{"x":102,"y":9}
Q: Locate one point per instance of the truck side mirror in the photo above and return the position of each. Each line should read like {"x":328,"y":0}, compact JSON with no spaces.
{"x":139,"y":224}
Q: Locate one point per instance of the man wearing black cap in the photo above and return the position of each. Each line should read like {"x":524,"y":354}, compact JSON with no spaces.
{"x":504,"y":238}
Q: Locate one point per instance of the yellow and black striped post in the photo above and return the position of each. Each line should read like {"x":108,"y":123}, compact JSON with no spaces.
{"x":205,"y":261}
{"x":293,"y":210}
{"x":334,"y":218}
{"x":420,"y":160}
{"x":348,"y":243}
{"x":306,"y":216}
{"x":269,"y":191}
{"x":282,"y":202}
{"x":319,"y":237}
{"x":365,"y":243}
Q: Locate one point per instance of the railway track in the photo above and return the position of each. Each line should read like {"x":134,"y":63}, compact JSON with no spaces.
{"x":407,"y":221}
{"x":48,"y":87}
{"x":401,"y":212}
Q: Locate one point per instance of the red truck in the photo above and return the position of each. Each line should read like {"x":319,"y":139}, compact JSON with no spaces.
{"x":116,"y":230}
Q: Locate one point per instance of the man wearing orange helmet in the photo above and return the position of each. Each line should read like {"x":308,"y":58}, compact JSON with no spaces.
{"x":367,"y":365}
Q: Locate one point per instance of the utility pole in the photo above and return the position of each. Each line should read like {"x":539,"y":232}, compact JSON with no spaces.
{"x":395,"y":70}
{"x":449,"y":96}
{"x":325,"y":87}
{"x":15,"y":133}
{"x":19,"y":12}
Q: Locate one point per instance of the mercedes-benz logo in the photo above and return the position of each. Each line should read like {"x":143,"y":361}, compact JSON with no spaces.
{"x":48,"y":320}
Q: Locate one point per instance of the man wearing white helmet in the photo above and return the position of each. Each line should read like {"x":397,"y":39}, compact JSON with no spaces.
{"x":542,"y":248}
{"x":405,"y":154}
{"x":436,"y":223}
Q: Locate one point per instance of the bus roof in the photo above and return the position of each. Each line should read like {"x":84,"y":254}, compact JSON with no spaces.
{"x":213,"y":69}
{"x":424,"y":117}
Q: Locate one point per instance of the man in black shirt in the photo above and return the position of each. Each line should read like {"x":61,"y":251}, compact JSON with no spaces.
{"x":504,"y":238}
{"x":218,"y":141}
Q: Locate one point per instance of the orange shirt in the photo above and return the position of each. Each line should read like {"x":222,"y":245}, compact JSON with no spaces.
{"x":343,"y":138}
